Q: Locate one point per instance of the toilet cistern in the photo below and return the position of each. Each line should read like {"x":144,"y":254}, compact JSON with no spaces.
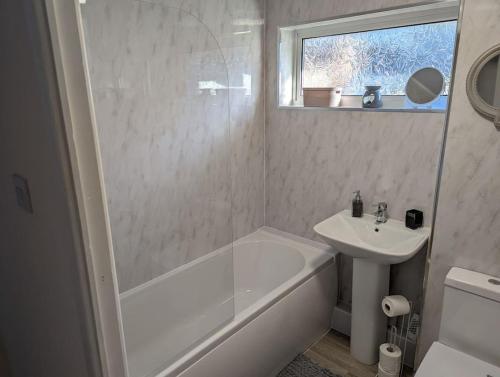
{"x":468,"y":335}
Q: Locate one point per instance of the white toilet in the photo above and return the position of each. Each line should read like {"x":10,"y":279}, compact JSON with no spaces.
{"x":469,"y":336}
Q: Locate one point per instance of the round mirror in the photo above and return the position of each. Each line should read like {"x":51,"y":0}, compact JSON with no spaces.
{"x":425,"y":86}
{"x":483,"y":85}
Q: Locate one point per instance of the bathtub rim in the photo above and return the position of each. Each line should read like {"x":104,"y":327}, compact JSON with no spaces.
{"x":284,"y":236}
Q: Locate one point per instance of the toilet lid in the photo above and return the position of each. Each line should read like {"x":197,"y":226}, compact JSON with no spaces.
{"x":444,"y":361}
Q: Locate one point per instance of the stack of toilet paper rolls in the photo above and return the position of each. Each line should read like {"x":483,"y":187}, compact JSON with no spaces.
{"x":390,"y":360}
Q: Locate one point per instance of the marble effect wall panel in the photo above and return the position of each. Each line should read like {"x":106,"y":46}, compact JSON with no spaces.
{"x":177,"y":88}
{"x":239,"y":27}
{"x":467,"y":230}
{"x":316,"y":159}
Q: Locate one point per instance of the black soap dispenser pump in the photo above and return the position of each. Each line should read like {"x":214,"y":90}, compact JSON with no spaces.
{"x":357,"y":205}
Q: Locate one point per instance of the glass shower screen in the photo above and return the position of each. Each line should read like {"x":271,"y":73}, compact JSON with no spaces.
{"x":159,"y":84}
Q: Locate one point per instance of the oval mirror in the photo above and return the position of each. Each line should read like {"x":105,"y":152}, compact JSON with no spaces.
{"x":425,"y":86}
{"x":483,"y":85}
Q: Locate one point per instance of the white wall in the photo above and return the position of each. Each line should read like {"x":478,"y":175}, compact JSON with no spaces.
{"x":43,"y":319}
{"x":467,"y":230}
{"x":317,"y":158}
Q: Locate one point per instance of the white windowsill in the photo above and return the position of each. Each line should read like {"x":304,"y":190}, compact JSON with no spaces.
{"x":391,"y":104}
{"x":379,"y":110}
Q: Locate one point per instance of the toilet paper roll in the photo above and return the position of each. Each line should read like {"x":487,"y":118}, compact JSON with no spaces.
{"x":390,"y":358}
{"x":384,"y":373}
{"x":394,"y":306}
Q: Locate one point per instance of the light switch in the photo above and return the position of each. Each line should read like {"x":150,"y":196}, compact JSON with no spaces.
{"x":22,"y":193}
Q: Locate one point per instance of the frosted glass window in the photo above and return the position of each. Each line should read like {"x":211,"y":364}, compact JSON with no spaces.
{"x":385,"y":57}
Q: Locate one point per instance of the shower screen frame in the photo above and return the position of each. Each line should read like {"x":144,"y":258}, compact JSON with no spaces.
{"x":70,"y":59}
{"x":67,"y":65}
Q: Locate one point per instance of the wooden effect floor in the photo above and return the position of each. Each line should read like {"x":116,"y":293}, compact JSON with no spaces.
{"x":332,"y":352}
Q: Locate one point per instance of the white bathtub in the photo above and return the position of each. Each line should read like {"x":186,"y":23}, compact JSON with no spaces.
{"x":240,"y":311}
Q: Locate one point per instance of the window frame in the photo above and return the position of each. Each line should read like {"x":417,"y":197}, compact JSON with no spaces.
{"x":385,"y":19}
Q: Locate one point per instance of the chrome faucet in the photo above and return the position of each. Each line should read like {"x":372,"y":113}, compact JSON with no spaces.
{"x":381,"y":213}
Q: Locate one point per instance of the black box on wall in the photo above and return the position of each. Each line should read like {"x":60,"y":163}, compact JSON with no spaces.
{"x":414,"y":219}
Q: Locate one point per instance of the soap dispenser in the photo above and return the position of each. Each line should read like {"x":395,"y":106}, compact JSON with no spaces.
{"x":357,"y":205}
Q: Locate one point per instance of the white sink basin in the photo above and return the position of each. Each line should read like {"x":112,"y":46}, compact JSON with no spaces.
{"x":387,"y":243}
{"x":374,"y":248}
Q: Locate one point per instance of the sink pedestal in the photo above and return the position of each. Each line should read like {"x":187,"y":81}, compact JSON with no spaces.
{"x":368,"y":321}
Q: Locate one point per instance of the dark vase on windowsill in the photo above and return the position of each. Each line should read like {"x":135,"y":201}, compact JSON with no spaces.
{"x":372,"y":99}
